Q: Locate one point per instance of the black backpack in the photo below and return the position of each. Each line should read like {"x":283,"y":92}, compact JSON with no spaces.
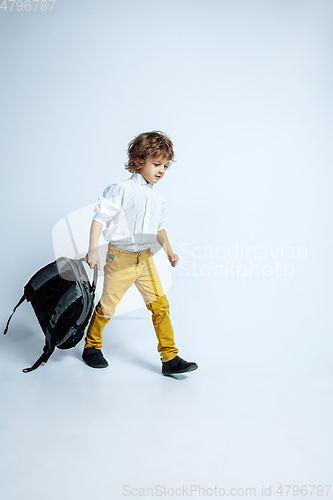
{"x":63,"y":300}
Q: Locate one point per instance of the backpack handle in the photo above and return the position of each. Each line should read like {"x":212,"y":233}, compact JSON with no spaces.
{"x":94,"y":283}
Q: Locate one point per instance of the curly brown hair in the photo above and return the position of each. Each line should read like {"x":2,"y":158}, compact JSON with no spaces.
{"x":148,"y":145}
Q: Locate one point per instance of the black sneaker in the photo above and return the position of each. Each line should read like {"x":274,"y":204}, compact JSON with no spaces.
{"x":94,"y":358}
{"x":177,"y":365}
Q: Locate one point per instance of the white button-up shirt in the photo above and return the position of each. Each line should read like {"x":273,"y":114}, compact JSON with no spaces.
{"x":133,"y":211}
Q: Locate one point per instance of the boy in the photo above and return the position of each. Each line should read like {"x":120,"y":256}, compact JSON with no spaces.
{"x":134,"y":213}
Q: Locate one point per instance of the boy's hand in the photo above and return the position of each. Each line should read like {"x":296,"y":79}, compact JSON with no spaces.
{"x":92,"y":258}
{"x":173,"y":258}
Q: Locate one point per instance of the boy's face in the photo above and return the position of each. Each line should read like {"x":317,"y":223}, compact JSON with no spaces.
{"x":153,"y":169}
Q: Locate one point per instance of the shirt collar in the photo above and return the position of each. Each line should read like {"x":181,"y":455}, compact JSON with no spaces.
{"x":140,"y":180}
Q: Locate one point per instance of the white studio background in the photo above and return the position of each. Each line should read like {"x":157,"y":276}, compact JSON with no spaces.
{"x":244,"y":90}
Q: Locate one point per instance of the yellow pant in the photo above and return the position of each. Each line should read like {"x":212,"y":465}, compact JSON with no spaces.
{"x":122,"y":269}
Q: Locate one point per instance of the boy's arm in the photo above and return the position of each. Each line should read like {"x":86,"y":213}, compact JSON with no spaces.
{"x":164,"y":242}
{"x":109,"y":204}
{"x":92,"y":256}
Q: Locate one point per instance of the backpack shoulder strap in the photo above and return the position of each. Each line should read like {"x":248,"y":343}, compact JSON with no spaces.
{"x":42,"y":359}
{"x":64,"y":303}
{"x":94,"y":283}
{"x":66,"y":300}
{"x":22,"y":299}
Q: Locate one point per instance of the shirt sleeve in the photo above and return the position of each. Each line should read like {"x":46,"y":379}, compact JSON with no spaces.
{"x":163,"y":214}
{"x":109,"y":204}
